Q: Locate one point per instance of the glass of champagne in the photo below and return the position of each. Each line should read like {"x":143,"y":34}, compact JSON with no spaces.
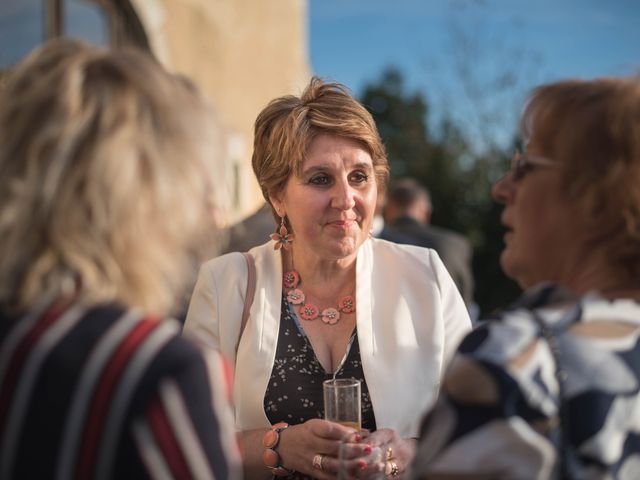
{"x":342,"y":401}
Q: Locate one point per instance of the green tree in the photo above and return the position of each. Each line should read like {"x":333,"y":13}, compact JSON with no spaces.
{"x":457,"y":177}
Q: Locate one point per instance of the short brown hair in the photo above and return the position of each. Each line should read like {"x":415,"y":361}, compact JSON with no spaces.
{"x":592,"y":128}
{"x":106,"y":169}
{"x":286,"y":127}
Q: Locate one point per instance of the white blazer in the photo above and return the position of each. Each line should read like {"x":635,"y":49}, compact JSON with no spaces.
{"x":410,"y":318}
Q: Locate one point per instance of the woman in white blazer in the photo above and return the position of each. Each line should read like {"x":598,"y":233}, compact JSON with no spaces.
{"x":329,"y":300}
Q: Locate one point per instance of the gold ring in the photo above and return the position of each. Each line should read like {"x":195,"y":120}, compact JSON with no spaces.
{"x":317,"y":461}
{"x":395,"y":471}
{"x":389,"y":453}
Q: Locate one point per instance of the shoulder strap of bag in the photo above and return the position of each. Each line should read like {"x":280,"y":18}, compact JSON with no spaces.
{"x":250,"y":292}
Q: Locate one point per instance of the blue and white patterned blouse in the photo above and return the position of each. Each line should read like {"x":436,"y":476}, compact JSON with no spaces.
{"x":499,"y":414}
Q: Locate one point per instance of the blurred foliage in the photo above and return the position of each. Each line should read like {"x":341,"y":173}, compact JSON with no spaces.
{"x":458,"y":179}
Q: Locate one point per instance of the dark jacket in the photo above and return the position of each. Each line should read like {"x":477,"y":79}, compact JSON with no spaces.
{"x":453,"y":248}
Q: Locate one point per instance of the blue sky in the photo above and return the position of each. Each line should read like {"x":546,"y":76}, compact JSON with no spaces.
{"x":512,"y":45}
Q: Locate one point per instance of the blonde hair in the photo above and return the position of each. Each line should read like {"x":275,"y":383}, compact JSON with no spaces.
{"x":592,"y":128}
{"x":287,"y":125}
{"x":105,"y":178}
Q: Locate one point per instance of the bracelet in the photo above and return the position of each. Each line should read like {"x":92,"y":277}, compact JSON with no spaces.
{"x":270,"y":456}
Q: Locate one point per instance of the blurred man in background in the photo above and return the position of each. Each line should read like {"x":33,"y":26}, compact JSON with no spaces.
{"x":407,"y":215}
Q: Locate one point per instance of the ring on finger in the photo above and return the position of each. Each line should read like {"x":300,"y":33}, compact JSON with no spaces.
{"x":317,"y":461}
{"x":394,"y":471}
{"x":389,"y":453}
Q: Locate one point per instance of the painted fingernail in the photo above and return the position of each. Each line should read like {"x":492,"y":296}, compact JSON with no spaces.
{"x":368,"y":449}
{"x":362,"y":464}
{"x":358,"y":437}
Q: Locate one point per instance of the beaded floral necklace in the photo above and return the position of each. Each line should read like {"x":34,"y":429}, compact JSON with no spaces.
{"x":309,"y":311}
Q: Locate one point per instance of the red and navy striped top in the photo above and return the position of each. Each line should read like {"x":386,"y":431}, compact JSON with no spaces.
{"x":105,"y":392}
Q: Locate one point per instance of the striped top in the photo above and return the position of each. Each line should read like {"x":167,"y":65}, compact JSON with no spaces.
{"x":104,"y":393}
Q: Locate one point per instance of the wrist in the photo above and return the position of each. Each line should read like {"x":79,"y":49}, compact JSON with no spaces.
{"x":271,"y":456}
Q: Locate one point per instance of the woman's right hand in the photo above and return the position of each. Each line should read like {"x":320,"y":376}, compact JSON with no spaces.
{"x":300,"y":444}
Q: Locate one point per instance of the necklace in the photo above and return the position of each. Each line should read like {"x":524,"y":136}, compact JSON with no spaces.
{"x":309,"y":311}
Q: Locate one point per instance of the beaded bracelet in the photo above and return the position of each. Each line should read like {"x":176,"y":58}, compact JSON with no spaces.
{"x":270,"y":456}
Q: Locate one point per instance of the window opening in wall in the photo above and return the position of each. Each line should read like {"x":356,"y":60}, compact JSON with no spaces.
{"x":22,"y":28}
{"x":86,"y":20}
{"x":25,"y":24}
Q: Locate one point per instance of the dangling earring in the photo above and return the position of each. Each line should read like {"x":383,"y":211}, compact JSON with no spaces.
{"x":282,"y":237}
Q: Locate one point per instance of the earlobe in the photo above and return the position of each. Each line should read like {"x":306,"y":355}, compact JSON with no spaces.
{"x":277,"y":205}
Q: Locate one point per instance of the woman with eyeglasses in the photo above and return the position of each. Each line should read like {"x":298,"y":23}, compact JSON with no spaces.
{"x":550,"y":388}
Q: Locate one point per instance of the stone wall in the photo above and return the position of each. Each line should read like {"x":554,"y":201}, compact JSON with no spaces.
{"x":242,"y":53}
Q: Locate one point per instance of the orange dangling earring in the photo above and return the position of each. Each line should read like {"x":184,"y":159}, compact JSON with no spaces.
{"x":282,"y":237}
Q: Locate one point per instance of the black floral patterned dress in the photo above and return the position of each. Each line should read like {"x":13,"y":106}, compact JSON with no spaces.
{"x":294,"y":393}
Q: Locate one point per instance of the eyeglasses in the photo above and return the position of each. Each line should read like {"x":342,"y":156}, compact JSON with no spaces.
{"x":522,"y":163}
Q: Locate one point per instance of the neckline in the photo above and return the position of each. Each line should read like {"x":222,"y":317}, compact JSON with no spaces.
{"x":305,"y":338}
{"x":296,"y":297}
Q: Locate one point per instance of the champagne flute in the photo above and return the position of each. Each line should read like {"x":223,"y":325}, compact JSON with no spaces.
{"x":342,"y":402}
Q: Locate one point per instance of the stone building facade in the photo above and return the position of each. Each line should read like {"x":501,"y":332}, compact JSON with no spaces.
{"x":241,"y":53}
